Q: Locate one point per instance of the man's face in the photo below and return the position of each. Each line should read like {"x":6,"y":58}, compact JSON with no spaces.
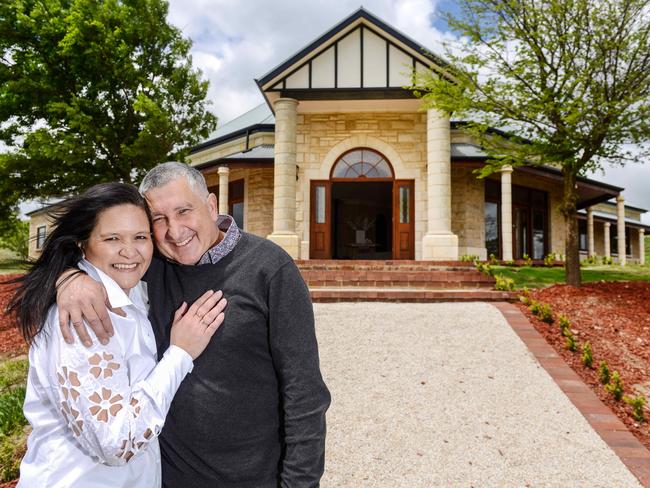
{"x":184,"y":222}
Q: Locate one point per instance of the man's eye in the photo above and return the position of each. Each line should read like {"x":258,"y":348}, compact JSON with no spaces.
{"x":183,"y":211}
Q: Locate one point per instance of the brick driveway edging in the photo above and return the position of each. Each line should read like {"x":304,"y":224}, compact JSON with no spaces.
{"x":608,"y":426}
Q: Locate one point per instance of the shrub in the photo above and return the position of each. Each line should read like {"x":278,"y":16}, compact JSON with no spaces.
{"x":504,"y":284}
{"x":484,"y":268}
{"x":615,"y":387}
{"x":571,"y":343}
{"x":604,"y":374}
{"x":534,"y":307}
{"x":637,"y":403}
{"x":469,"y":258}
{"x":528,"y":261}
{"x":492,"y":259}
{"x":546,"y":313}
{"x":509,"y":262}
{"x":608,"y":260}
{"x":563,"y":322}
{"x":587,"y":356}
{"x":549,"y":259}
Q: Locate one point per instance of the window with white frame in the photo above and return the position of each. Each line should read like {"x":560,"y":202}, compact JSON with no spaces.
{"x":40,"y":236}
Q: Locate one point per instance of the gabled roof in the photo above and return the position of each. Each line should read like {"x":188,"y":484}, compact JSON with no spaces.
{"x":361,"y":17}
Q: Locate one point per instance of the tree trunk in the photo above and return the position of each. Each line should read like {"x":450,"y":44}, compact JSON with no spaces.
{"x":570,"y":213}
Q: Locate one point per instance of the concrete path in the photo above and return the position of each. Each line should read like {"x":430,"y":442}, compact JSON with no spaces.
{"x":447,"y":395}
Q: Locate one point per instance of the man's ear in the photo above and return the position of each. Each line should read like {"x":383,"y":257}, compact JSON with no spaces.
{"x":212,"y":206}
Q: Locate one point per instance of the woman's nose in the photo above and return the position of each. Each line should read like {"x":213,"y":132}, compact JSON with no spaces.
{"x":127,"y":251}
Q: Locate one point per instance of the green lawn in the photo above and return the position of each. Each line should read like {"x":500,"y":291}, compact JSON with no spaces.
{"x":13,"y":376}
{"x":538,"y":277}
{"x":9,"y":263}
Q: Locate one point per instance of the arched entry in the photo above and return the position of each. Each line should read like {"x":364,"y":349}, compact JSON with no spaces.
{"x":362,"y":211}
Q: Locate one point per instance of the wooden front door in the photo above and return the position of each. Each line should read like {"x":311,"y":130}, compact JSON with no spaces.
{"x":403,"y":219}
{"x":320,"y":228}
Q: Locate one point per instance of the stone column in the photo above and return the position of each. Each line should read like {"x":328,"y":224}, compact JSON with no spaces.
{"x":620,"y":229}
{"x":439,"y":243}
{"x":284,"y":174}
{"x":606,"y":227}
{"x":641,"y":246}
{"x":506,"y":213}
{"x":590,"y":232}
{"x":223,"y":172}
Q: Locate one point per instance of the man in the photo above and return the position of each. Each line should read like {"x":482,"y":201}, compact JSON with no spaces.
{"x":252,"y":413}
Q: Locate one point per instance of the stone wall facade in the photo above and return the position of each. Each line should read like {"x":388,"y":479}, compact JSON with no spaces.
{"x":467,"y":210}
{"x":322,"y":138}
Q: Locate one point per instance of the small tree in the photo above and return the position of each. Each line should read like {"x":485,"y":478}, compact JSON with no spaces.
{"x":570,"y":77}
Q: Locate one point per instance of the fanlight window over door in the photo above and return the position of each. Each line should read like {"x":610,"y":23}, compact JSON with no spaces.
{"x":362,"y":163}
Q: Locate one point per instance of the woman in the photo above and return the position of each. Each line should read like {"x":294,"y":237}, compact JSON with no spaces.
{"x":96,"y":412}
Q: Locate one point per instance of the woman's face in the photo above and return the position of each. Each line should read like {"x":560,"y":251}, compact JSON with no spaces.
{"x":120,"y":244}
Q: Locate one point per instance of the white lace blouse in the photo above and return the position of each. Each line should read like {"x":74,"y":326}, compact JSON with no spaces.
{"x":96,"y":412}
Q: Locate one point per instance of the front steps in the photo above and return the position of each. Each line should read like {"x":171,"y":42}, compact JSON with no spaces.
{"x":398,"y":281}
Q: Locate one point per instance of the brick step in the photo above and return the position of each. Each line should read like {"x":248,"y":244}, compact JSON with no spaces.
{"x":358,"y":294}
{"x":394,"y":275}
{"x":426,"y":285}
{"x":406,"y":266}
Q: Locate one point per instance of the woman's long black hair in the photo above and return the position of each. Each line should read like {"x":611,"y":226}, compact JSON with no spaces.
{"x":74,"y":220}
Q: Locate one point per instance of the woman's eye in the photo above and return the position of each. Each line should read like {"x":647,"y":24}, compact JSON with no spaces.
{"x":111,"y":239}
{"x":143,"y":238}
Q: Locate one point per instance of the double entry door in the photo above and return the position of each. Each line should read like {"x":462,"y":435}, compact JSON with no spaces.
{"x":362,"y":220}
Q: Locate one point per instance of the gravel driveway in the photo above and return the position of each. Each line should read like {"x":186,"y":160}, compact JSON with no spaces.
{"x":446,"y":395}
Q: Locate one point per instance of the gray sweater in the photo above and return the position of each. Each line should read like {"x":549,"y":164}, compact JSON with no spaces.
{"x":252,"y":412}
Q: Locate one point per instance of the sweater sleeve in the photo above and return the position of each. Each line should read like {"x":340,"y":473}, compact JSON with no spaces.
{"x":305,"y":398}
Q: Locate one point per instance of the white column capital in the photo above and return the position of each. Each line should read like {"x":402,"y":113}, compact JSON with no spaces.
{"x":642,"y":231}
{"x":285,"y":103}
{"x":607,"y":225}
{"x":506,"y":169}
{"x":223,"y":170}
{"x":620,"y":198}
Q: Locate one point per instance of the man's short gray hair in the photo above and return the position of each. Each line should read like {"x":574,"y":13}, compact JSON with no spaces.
{"x":165,"y":173}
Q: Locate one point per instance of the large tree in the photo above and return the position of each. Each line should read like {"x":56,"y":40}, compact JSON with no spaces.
{"x":571,"y":78}
{"x":91,"y":91}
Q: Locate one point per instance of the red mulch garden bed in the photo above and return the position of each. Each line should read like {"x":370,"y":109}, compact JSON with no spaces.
{"x":615,"y":318}
{"x":11,"y":342}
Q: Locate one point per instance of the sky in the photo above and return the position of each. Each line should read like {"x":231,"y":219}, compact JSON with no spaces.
{"x":237,"y":41}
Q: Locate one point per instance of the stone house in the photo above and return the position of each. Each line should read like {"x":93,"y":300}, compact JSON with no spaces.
{"x":341,"y":162}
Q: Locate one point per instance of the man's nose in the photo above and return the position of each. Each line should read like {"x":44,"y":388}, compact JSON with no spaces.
{"x":174,"y":231}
